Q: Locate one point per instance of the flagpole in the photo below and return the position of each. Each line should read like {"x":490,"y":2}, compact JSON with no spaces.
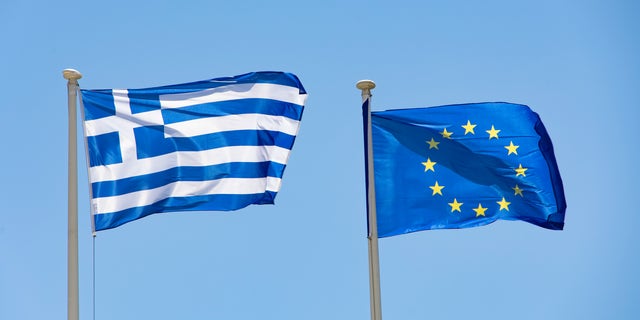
{"x":374,"y":261}
{"x":72,"y":197}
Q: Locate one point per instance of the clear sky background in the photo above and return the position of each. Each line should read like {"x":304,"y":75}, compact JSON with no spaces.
{"x":576,"y":63}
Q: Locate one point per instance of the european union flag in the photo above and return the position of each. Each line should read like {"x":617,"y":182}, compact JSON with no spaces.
{"x":461,"y":166}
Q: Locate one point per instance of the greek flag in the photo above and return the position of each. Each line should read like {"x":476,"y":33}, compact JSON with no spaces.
{"x":219,"y":144}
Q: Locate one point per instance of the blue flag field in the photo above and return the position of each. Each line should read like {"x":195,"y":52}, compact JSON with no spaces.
{"x":220,"y":144}
{"x":463,"y":166}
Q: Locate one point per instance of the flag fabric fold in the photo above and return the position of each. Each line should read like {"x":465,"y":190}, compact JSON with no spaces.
{"x":462,"y":166}
{"x":219,"y":144}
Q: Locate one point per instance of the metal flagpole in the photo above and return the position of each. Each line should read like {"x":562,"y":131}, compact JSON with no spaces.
{"x":72,"y":241}
{"x":374,"y":263}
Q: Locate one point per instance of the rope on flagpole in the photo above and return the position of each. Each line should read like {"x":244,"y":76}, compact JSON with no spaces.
{"x":93,"y":285}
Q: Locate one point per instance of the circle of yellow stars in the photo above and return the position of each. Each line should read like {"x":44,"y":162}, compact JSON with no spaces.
{"x":470,"y":129}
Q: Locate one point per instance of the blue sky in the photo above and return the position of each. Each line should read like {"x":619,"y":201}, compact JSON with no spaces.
{"x":573,"y":62}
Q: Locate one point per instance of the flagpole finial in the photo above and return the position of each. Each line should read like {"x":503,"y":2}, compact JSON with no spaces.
{"x":365,"y":85}
{"x":71,"y":74}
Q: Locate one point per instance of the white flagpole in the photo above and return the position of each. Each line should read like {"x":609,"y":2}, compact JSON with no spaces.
{"x":72,"y":241}
{"x":374,"y":261}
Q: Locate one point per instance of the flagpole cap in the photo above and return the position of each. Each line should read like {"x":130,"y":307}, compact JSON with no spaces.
{"x":71,"y":74}
{"x":365,"y":85}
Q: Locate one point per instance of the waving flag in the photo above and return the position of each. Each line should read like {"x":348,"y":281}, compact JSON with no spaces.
{"x":219,"y":144}
{"x":462,"y":166}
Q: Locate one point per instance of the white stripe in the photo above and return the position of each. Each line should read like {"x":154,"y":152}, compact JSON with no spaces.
{"x":185,"y":189}
{"x":126,"y":137}
{"x":253,"y":121}
{"x":189,"y":158}
{"x":234,"y":92}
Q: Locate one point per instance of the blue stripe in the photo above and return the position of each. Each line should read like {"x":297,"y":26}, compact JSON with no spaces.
{"x":217,"y":202}
{"x":273,"y":77}
{"x":207,"y":173}
{"x":225,"y":108}
{"x":151,"y":142}
{"x":143,"y":101}
{"x":147,"y":99}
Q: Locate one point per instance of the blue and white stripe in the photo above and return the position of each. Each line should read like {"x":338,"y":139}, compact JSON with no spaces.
{"x":220,"y":144}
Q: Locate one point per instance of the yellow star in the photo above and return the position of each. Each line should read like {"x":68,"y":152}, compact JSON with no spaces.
{"x":517,"y":190}
{"x":512,"y":148}
{"x":503,"y":204}
{"x":480,"y":210}
{"x":446,"y":134}
{"x":429,"y":165}
{"x":455,"y":205}
{"x":520,"y":171}
{"x":437,"y":189}
{"x":433,"y":144}
{"x":468,"y":128}
{"x":493,"y":133}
